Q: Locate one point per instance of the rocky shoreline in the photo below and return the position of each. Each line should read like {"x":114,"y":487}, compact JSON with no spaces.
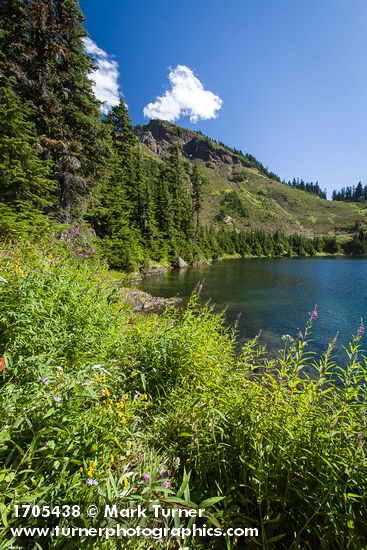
{"x":144,"y":302}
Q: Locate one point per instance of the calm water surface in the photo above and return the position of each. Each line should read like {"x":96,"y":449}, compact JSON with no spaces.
{"x":275,"y":295}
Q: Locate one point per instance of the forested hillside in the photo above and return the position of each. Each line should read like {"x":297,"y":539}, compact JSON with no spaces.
{"x":150,"y":193}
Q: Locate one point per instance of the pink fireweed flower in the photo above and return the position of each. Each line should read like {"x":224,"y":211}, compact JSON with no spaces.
{"x":166,"y":484}
{"x":147,"y":477}
{"x":313,"y":315}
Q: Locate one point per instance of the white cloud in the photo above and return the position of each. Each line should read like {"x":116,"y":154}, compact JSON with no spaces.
{"x":187,"y":97}
{"x":104,"y":77}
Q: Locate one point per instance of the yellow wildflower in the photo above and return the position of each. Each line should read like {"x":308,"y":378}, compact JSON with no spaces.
{"x":144,"y":396}
{"x":106,"y":392}
{"x":125,"y":481}
{"x":112,"y":459}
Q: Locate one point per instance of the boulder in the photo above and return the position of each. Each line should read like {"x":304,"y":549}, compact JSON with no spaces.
{"x":181,"y":264}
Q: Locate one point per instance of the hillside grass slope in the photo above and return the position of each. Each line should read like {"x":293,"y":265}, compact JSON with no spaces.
{"x":235,"y":179}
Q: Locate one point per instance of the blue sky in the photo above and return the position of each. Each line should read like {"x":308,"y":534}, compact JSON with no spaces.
{"x":292,"y":74}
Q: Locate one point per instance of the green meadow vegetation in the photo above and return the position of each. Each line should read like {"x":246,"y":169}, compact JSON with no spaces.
{"x":100,"y":404}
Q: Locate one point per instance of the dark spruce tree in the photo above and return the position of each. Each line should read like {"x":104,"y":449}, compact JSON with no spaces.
{"x":25,"y":185}
{"x":42,"y":46}
{"x":114,"y":216}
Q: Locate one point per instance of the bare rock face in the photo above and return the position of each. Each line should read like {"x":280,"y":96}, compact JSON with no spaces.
{"x":159,"y":136}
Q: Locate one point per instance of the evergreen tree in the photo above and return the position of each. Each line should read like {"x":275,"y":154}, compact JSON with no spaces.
{"x":116,"y":213}
{"x":42,"y":47}
{"x":24,"y":176}
{"x":197,"y":184}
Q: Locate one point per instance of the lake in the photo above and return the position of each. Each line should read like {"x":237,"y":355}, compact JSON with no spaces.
{"x":274,"y":295}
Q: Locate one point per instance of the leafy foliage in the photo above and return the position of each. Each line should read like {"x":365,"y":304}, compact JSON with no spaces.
{"x":102,"y":405}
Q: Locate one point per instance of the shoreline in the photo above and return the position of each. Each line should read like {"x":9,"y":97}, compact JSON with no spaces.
{"x":159,"y":269}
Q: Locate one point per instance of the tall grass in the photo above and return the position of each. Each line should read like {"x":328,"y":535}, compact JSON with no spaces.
{"x":100,"y":404}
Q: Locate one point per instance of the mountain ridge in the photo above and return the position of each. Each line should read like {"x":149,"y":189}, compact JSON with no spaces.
{"x":242,"y":193}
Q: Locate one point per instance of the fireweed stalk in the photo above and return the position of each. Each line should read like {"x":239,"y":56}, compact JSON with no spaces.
{"x":258,"y":439}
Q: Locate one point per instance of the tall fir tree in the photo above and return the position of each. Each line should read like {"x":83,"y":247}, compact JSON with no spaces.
{"x":42,"y":47}
{"x":197,"y":185}
{"x":116,"y":214}
{"x":24,"y":176}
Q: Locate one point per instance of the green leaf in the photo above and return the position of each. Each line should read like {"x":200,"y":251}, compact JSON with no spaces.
{"x":210,"y":502}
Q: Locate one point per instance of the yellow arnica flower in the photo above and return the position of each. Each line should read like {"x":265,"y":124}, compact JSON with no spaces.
{"x":90,"y":473}
{"x":81,"y":469}
{"x":112,"y":459}
{"x":144,"y":396}
{"x":120,"y":414}
{"x":106,"y":392}
{"x":125,"y":481}
{"x":123,"y":420}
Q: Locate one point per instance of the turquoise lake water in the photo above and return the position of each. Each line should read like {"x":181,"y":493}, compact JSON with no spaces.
{"x":275,"y":295}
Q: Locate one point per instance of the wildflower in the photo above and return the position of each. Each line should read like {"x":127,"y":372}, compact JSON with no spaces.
{"x":91,"y":482}
{"x":75,"y":231}
{"x":125,"y":481}
{"x":361,"y":329}
{"x":287,"y":338}
{"x":147,"y":477}
{"x":45,"y":380}
{"x":177,"y":462}
{"x":81,"y":470}
{"x":106,"y":392}
{"x":2,"y":363}
{"x":128,"y":444}
{"x":112,"y":459}
{"x":313,"y":315}
{"x":166,"y":484}
{"x":144,"y":396}
{"x":57,"y":399}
